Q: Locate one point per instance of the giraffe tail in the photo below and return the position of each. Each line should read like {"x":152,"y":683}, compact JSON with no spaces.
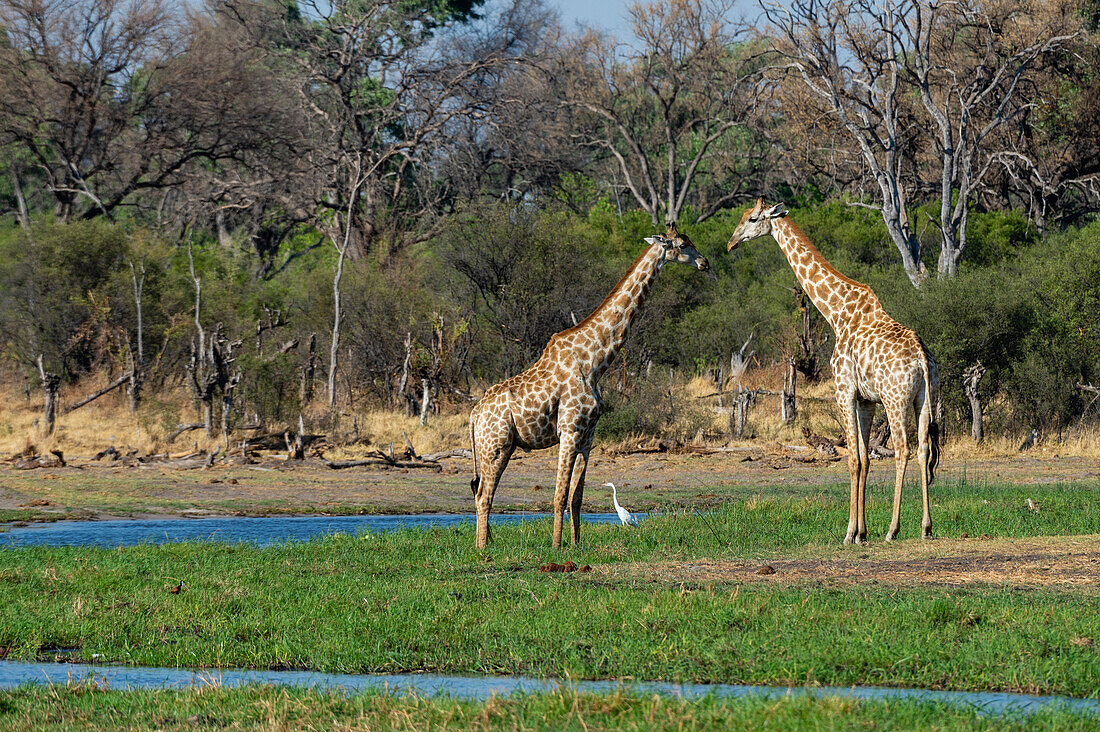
{"x":473,"y":450}
{"x":933,"y":436}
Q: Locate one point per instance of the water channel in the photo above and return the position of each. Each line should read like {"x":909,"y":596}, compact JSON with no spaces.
{"x":274,"y":530}
{"x":14,"y":673}
{"x":262,"y":531}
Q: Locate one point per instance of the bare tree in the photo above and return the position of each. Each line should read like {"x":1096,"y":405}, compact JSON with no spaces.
{"x":847,"y":54}
{"x":109,"y":99}
{"x":902,"y":77}
{"x":137,"y":350}
{"x":670,"y":111}
{"x":340,"y":235}
{"x":971,"y":378}
{"x":50,"y":383}
{"x":378,"y":84}
{"x":968,"y":60}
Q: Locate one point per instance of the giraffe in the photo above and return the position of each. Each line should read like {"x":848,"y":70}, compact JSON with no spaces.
{"x":876,"y":360}
{"x":557,"y":400}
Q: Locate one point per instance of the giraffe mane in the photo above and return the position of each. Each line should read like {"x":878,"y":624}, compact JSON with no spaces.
{"x":611,"y":295}
{"x":816,"y":253}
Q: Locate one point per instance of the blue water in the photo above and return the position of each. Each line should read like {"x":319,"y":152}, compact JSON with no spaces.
{"x":14,"y":673}
{"x":235,"y":529}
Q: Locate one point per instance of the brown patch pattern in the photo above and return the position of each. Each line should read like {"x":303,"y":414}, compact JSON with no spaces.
{"x":557,"y":400}
{"x":876,"y":361}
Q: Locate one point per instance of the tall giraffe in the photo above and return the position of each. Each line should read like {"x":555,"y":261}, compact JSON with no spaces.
{"x":557,"y":400}
{"x":876,"y":359}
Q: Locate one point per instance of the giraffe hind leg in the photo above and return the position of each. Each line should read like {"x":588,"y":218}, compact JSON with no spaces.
{"x":866,"y":412}
{"x":925,"y":437}
{"x":576,"y":488}
{"x":493,"y":447}
{"x":483,"y":497}
{"x":567,"y":458}
{"x":899,"y":437}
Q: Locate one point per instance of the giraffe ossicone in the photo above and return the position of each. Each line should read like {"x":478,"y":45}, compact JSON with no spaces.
{"x":557,"y":400}
{"x":876,"y":360}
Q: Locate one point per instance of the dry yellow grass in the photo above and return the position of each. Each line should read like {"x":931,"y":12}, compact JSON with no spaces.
{"x":109,"y":422}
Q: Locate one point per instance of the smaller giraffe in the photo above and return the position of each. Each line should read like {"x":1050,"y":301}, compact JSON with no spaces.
{"x":876,"y":360}
{"x":557,"y":400}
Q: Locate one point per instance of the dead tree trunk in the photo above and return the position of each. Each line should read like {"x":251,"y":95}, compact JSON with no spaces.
{"x":337,"y":317}
{"x":788,"y":409}
{"x":96,"y":395}
{"x":22,"y":216}
{"x":971,"y":378}
{"x":196,"y":367}
{"x":295,"y":448}
{"x":425,"y":400}
{"x":309,"y":370}
{"x":228,"y":389}
{"x":137,"y":353}
{"x":745,"y":401}
{"x":809,"y":337}
{"x":403,"y":382}
{"x":50,"y":383}
{"x":202,"y":384}
{"x":739,"y":361}
{"x":275,"y":320}
{"x":212,"y":376}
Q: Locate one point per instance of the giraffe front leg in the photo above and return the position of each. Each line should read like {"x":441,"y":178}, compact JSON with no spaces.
{"x":576,"y":489}
{"x":851,"y":431}
{"x":567,"y":457}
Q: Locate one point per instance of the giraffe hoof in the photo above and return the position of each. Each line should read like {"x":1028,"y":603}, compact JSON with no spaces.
{"x":927,"y":533}
{"x":891,"y":535}
{"x":847,"y":540}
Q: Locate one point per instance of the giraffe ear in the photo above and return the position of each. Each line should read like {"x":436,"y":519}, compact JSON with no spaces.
{"x":775,"y":212}
{"x":652,"y":239}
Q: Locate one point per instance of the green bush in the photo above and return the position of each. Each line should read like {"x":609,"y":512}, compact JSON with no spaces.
{"x":269,"y":387}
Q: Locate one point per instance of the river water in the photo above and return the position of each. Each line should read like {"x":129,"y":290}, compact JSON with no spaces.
{"x":262,"y":531}
{"x":274,"y":530}
{"x":14,"y":673}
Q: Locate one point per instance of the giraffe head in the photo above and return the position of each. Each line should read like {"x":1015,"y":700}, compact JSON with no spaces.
{"x":756,"y":222}
{"x":676,"y":247}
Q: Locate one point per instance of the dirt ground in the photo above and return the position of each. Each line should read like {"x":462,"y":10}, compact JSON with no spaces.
{"x":87,"y":489}
{"x":1063,"y":562}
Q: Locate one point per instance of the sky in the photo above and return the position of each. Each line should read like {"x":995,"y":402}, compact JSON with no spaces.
{"x":611,"y":14}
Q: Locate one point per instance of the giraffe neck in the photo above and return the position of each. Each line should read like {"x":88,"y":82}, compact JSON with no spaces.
{"x":830,"y":291}
{"x":606,"y":328}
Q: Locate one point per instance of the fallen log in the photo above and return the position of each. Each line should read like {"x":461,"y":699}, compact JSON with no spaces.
{"x":341,"y":464}
{"x":822,"y":444}
{"x":181,"y":428}
{"x":705,"y":450}
{"x":92,"y":397}
{"x":54,"y":460}
{"x":458,"y":452}
{"x":277,"y":441}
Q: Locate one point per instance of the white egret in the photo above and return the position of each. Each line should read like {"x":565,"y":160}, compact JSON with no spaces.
{"x":625,"y":516}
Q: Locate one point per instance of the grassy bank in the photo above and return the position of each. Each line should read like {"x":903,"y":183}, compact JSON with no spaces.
{"x":412,"y":600}
{"x":86,"y":707}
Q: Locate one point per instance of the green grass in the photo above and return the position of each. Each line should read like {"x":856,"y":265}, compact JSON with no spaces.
{"x":88,"y":707}
{"x":426,"y":600}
